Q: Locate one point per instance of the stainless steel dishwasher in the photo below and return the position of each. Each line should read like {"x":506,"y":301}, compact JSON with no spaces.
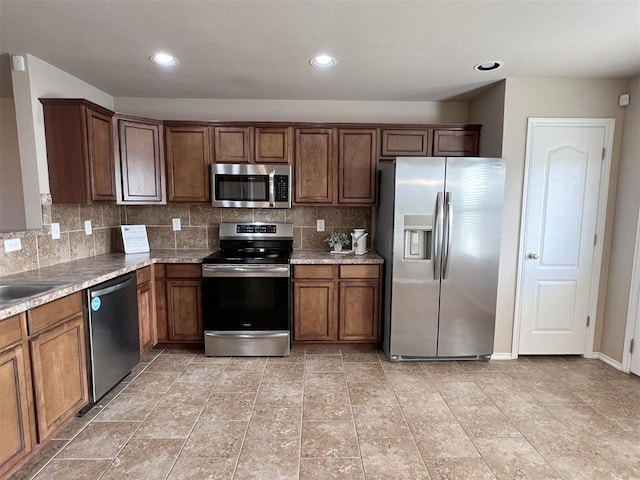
{"x":113,"y":332}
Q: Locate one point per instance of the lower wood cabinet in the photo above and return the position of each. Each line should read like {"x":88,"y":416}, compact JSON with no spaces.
{"x":178,"y":303}
{"x":336,"y":303}
{"x":146,"y":310}
{"x":15,"y":390}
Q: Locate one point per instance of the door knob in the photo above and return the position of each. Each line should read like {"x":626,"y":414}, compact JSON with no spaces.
{"x":533,"y":255}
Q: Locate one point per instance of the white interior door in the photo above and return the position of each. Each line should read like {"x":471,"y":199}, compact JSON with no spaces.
{"x":635,"y":356}
{"x":559,"y":227}
{"x":631,"y":357}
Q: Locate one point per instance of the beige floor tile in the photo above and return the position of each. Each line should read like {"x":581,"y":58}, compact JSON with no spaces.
{"x":323,"y":350}
{"x":128,"y":407}
{"x":275,"y":421}
{"x":323,"y":363}
{"x":215,"y":438}
{"x":201,"y":358}
{"x":514,"y":458}
{"x":552,"y":438}
{"x":35,"y":463}
{"x":329,"y":406}
{"x":280,"y":393}
{"x":229,"y":406}
{"x":442,"y":439}
{"x":388,"y":366}
{"x":149,"y":459}
{"x":583,"y":468}
{"x":203,"y":469}
{"x":238,"y":364}
{"x":284,"y":372}
{"x":622,"y":453}
{"x":459,"y":469}
{"x":334,"y":438}
{"x":331,"y":469}
{"x":410,"y":381}
{"x":76,"y":469}
{"x":296,"y":356}
{"x":169,"y":421}
{"x":153,"y":382}
{"x":371,"y":393}
{"x":71,"y":429}
{"x":99,"y":440}
{"x":238,"y":381}
{"x":519,"y":412}
{"x":396,"y":458}
{"x":325,"y":383}
{"x":268,"y":459}
{"x":484,"y":421}
{"x":551,"y":393}
{"x":348,"y":356}
{"x":170,"y":363}
{"x":187,"y":393}
{"x":201,"y":372}
{"x":380,"y":422}
{"x":425,"y":406}
{"x":585,"y":419}
{"x":364,"y":372}
{"x":462,"y":393}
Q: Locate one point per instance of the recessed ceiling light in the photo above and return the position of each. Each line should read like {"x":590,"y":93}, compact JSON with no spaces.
{"x":323,"y":61}
{"x":165,"y":59}
{"x":488,"y":66}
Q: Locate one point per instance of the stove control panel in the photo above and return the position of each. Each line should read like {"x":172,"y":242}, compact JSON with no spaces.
{"x":248,"y":228}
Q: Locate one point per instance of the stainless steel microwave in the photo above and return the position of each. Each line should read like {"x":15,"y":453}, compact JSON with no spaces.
{"x":250,"y":186}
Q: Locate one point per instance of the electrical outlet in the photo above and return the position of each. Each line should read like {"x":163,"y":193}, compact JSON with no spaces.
{"x":87,"y":227}
{"x":55,"y":231}
{"x":176,"y":224}
{"x":12,"y":245}
{"x":320,"y":225}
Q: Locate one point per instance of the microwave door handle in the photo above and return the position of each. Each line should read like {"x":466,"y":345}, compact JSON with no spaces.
{"x":272,"y":188}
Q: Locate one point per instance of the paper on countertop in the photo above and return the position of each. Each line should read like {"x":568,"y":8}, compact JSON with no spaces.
{"x":135,"y":238}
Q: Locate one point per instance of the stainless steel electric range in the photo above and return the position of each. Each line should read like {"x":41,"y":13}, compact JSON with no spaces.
{"x":246,"y":291}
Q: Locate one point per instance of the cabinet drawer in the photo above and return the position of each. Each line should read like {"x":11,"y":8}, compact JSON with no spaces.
{"x":398,"y":143}
{"x":10,"y":331}
{"x":359,"y":271}
{"x":313,"y":271}
{"x":184,"y":271}
{"x":54,"y":312}
{"x":143,"y":275}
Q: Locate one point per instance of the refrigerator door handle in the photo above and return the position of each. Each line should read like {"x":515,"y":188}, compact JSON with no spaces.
{"x":436,"y":243}
{"x":447,"y":233}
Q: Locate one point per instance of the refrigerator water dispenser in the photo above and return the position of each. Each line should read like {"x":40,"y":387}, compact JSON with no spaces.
{"x":417,"y":237}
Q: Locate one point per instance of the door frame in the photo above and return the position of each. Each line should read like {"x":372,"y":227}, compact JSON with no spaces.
{"x":633,"y":310}
{"x":603,"y":192}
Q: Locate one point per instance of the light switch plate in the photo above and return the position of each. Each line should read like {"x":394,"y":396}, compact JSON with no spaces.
{"x":87,"y":227}
{"x":55,"y":231}
{"x":320,"y":225}
{"x":12,"y":245}
{"x":177,"y":225}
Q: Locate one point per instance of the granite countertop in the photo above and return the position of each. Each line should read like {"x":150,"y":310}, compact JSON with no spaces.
{"x":84,"y":273}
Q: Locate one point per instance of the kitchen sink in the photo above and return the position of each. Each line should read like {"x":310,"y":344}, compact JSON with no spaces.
{"x":13,"y":292}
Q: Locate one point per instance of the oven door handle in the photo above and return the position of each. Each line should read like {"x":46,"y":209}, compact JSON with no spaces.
{"x":253,"y":335}
{"x":272,"y":188}
{"x":230,"y":271}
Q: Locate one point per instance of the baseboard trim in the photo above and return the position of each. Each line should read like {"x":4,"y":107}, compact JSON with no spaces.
{"x":608,"y":360}
{"x":502,"y":356}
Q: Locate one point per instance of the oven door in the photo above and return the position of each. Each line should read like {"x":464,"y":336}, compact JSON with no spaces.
{"x":246,"y":309}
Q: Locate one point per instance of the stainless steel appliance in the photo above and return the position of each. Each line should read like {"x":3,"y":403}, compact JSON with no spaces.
{"x":250,"y":186}
{"x":439,"y":224}
{"x":113,"y":332}
{"x":246,"y":291}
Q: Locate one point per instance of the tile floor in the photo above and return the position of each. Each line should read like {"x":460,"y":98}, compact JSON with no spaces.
{"x":332,"y":414}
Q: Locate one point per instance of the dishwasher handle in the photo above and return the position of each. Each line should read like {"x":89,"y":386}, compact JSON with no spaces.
{"x":112,"y":288}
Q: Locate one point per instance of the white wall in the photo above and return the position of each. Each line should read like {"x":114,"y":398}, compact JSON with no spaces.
{"x":42,"y":80}
{"x":524,"y":98}
{"x":11,"y":198}
{"x":624,"y":229}
{"x":488,"y":110}
{"x":294,"y":110}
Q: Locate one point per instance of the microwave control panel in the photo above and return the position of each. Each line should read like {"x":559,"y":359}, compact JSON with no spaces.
{"x":281,"y":185}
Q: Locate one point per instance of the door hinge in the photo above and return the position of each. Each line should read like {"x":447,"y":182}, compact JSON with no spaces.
{"x":595,"y":239}
{"x":588,"y":320}
{"x":604,"y":153}
{"x":632,"y":345}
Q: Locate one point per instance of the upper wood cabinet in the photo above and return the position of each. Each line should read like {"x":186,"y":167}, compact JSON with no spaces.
{"x":456,"y":143}
{"x":253,"y":144}
{"x":188,"y":151}
{"x":314,"y":166}
{"x":80,"y":151}
{"x":405,"y":143}
{"x":357,"y":163}
{"x":273,"y":144}
{"x":233,"y":144}
{"x":140,"y":171}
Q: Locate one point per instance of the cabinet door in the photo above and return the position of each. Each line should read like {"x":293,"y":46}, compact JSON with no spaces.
{"x":358,"y":317}
{"x":14,"y":408}
{"x":59,"y":364}
{"x":101,"y":158}
{"x":357,"y":166}
{"x":188,"y":151}
{"x":162,"y":321}
{"x":314,"y":307}
{"x":141,"y":163}
{"x":406,"y":143}
{"x":314,"y":166}
{"x":233,"y":144}
{"x":456,"y":143}
{"x":146,"y":317}
{"x":184,"y":310}
{"x":273,"y":145}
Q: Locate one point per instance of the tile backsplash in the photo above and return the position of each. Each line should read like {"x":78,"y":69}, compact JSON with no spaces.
{"x":200,"y":226}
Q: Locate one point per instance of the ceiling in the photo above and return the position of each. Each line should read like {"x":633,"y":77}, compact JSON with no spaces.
{"x":259,"y":49}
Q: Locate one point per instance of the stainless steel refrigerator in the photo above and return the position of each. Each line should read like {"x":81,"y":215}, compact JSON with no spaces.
{"x":438,"y":229}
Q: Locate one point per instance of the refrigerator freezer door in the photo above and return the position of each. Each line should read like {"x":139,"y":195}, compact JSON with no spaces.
{"x":473,"y":223}
{"x":414,"y":294}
